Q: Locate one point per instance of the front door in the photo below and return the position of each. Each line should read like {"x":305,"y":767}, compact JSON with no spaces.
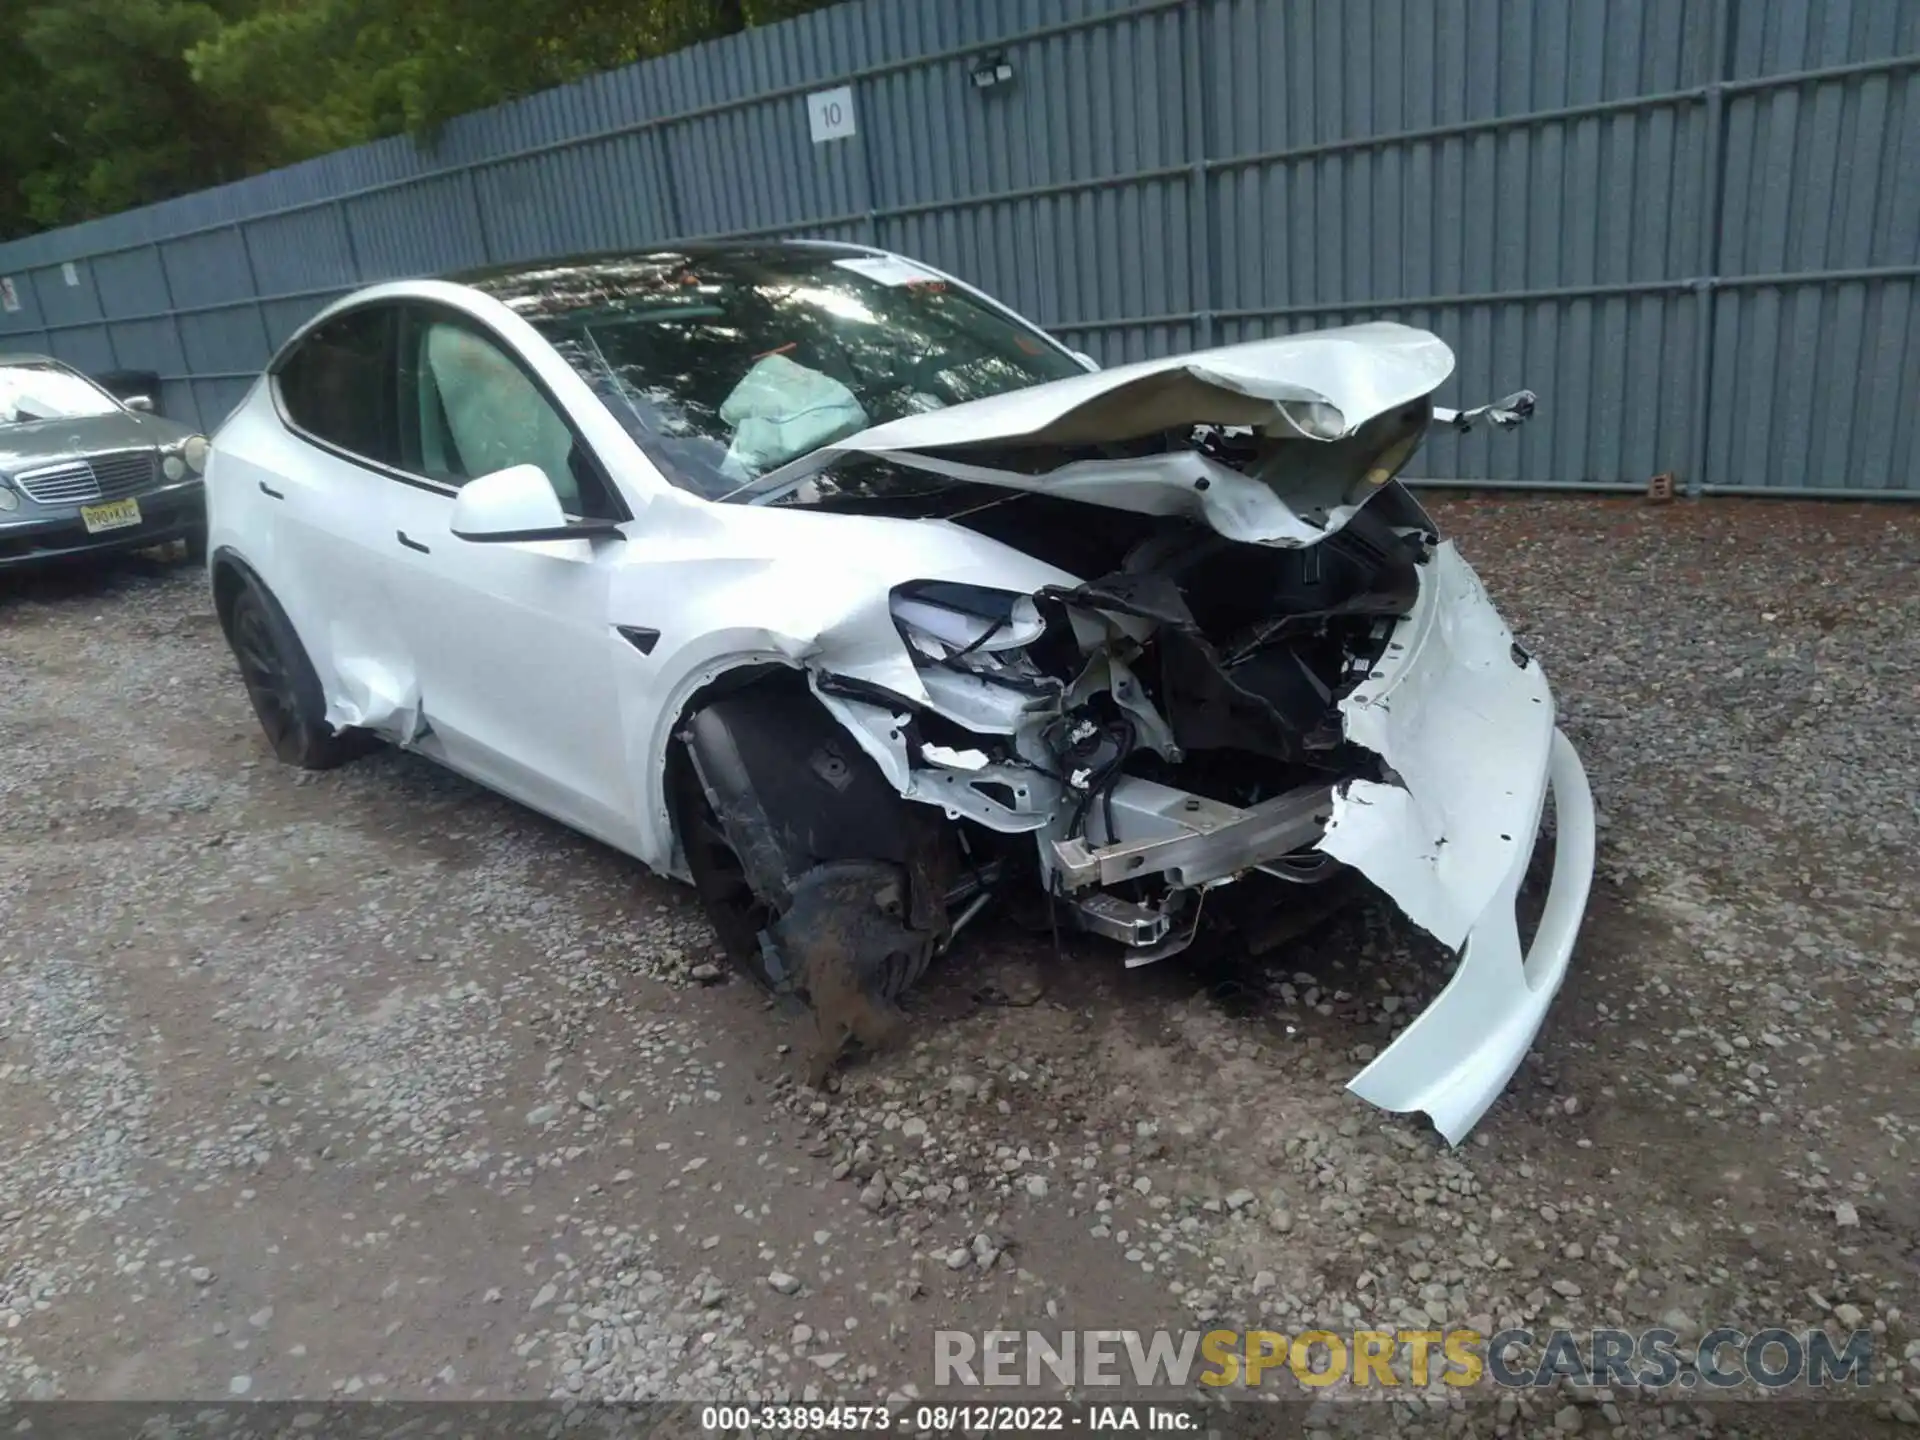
{"x":513,"y":642}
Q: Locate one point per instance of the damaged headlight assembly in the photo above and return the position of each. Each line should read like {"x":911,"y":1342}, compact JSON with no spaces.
{"x":945,"y":622}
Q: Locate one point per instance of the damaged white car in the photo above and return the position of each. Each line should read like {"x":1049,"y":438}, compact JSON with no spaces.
{"x":815,"y":577}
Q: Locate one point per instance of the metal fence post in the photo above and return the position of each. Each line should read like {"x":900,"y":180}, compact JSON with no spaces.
{"x":1206,"y":287}
{"x":253,"y":284}
{"x":479,"y":218}
{"x":670,"y":181}
{"x":871,"y":225}
{"x":346,"y":233}
{"x":1706,"y":284}
{"x":179,"y":334}
{"x":40,"y":309}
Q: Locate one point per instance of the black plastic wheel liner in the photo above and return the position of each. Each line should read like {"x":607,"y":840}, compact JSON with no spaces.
{"x":817,"y":831}
{"x":847,"y":934}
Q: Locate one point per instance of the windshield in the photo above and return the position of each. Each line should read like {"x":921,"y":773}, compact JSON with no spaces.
{"x":46,"y":392}
{"x":727,"y":366}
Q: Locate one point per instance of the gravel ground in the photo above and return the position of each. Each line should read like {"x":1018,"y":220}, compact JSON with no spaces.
{"x":371,"y":1084}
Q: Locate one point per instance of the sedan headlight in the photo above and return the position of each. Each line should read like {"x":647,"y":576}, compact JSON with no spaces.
{"x":188,"y":457}
{"x":8,"y":500}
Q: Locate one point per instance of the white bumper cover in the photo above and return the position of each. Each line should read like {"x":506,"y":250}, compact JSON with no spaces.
{"x":1465,"y":720}
{"x":1454,"y":1060}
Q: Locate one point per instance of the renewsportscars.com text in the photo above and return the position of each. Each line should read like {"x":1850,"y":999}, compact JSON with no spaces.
{"x":1725,"y":1358}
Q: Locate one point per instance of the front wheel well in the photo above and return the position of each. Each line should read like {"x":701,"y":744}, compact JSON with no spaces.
{"x":230,"y":577}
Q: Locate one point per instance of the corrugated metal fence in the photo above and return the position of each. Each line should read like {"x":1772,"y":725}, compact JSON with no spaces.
{"x":1692,"y":225}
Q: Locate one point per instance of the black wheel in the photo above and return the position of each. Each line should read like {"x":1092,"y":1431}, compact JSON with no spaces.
{"x":735,"y":912}
{"x":282,"y":685}
{"x":196,"y":542}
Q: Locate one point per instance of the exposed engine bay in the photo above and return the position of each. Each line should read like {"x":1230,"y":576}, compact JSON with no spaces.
{"x":1191,"y":734}
{"x":1191,"y":690}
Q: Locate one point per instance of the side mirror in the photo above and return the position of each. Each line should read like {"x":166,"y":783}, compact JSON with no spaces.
{"x":142,"y":403}
{"x":518,"y":503}
{"x":1085,"y":359}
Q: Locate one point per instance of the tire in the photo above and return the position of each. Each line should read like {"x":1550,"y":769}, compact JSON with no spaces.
{"x":283,"y":687}
{"x":719,"y":879}
{"x":196,"y":543}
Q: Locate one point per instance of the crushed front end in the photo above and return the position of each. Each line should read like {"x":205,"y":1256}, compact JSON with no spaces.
{"x":1279,"y":680}
{"x":1224,"y":734}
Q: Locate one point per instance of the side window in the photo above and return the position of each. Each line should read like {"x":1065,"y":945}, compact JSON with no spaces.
{"x":337,"y":385}
{"x":469,"y":410}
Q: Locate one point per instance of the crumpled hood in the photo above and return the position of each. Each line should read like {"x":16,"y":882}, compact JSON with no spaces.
{"x":1321,"y":387}
{"x":1358,"y":370}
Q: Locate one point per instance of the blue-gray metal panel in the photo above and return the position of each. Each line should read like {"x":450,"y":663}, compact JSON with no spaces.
{"x":303,"y":251}
{"x":1607,"y":412}
{"x":21,"y":329}
{"x":61,"y":303}
{"x":84,"y":347}
{"x":283,"y":317}
{"x":149,"y":345}
{"x":1817,"y":386}
{"x":177,"y":403}
{"x":223,"y":341}
{"x":1778,"y":36}
{"x":1065,"y":259}
{"x":130,"y":282}
{"x":1123,"y":344}
{"x":600,"y":196}
{"x":205,"y":269}
{"x":425,"y":229}
{"x":213,"y":401}
{"x":1576,"y":154}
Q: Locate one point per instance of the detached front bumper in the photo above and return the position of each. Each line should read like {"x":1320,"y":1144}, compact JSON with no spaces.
{"x":1453,"y":1061}
{"x":1464,"y":719}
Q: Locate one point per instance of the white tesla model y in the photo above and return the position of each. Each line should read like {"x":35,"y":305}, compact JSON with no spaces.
{"x":814,"y":576}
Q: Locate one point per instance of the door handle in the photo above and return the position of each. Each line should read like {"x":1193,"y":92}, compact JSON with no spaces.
{"x":410,"y":543}
{"x":270,"y":492}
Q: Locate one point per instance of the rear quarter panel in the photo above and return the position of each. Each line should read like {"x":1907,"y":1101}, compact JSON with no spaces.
{"x":249,"y":450}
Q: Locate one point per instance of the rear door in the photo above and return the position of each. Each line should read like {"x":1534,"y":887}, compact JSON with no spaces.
{"x":332,"y":523}
{"x":514,"y":642}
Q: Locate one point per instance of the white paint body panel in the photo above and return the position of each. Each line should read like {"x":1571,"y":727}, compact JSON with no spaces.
{"x":506,"y":660}
{"x":1471,"y":734}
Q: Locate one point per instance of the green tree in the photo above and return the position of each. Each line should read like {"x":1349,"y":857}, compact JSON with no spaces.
{"x":328,"y":73}
{"x":102,"y":112}
{"x":106,"y":104}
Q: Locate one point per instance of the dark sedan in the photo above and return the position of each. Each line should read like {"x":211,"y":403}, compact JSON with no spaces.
{"x":82,"y":473}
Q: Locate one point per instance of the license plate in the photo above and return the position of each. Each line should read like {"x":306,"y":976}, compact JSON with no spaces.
{"x":113,"y":515}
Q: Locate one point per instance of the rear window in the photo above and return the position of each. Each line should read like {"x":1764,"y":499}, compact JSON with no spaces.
{"x":338,"y":384}
{"x":724,"y":367}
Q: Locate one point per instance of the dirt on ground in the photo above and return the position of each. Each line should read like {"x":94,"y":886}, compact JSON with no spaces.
{"x":371,"y":1084}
